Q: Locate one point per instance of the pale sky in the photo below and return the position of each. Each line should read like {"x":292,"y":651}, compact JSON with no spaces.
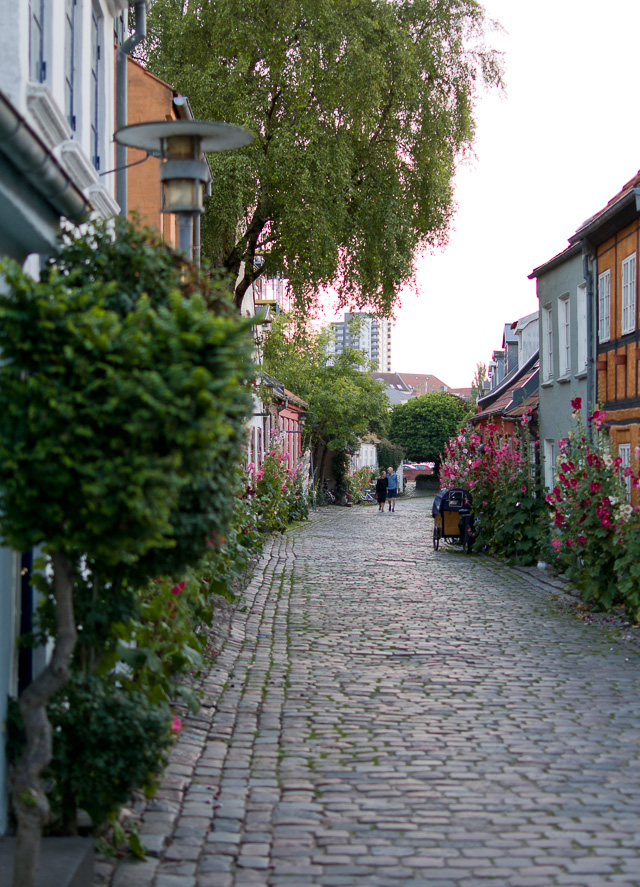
{"x":549,"y":154}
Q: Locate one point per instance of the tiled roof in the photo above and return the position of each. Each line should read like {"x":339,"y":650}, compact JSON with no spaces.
{"x":620,"y":210}
{"x":528,"y":404}
{"x":423,"y":383}
{"x":295,"y":399}
{"x":502,"y":404}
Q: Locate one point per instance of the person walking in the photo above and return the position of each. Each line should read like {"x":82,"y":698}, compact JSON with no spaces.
{"x":381,"y":489}
{"x":392,"y":488}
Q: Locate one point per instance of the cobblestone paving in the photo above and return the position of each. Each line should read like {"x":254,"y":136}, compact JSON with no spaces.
{"x":383,"y":714}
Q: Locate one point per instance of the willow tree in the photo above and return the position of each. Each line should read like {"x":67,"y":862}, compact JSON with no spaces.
{"x":342,"y":401}
{"x":361,"y":109}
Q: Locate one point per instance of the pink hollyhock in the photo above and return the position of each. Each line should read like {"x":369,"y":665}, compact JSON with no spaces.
{"x":556,"y":544}
{"x":580,"y":540}
{"x":178,"y":588}
{"x":523,"y":488}
{"x":576,"y":403}
{"x":176,"y":725}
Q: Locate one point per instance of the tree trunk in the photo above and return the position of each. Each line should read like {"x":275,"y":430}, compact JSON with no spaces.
{"x":29,"y":799}
{"x":320,"y":461}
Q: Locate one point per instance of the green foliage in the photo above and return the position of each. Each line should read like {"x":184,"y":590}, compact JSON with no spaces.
{"x":423,"y":425}
{"x":359,"y":482}
{"x":116,"y":405}
{"x":594,"y":526}
{"x":106,"y":744}
{"x":123,"y":397}
{"x":479,"y":377}
{"x":511,"y":515}
{"x":360,"y":111}
{"x":342,"y":402}
{"x":389,"y":454}
{"x":279,"y":497}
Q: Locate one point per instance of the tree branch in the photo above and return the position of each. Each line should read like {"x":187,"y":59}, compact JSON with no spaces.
{"x":29,"y":799}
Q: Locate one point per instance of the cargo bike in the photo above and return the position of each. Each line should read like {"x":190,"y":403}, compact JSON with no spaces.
{"x":452,"y":518}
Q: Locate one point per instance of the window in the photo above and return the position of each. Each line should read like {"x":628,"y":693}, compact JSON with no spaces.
{"x":37,"y":64}
{"x":581,"y":306}
{"x":547,"y":343}
{"x":69,"y":60}
{"x":564,"y":336}
{"x":532,"y":460}
{"x":96,"y":85}
{"x":629,"y":294}
{"x":624,"y":451}
{"x":549,"y":463}
{"x":604,"y":306}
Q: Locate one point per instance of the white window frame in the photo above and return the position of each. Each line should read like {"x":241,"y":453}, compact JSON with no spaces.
{"x":96,"y":84}
{"x":629,"y":294}
{"x":564,"y":336}
{"x":624,"y":451}
{"x":604,"y":306}
{"x":70,"y":50}
{"x":549,"y":463}
{"x":547,"y":342}
{"x":37,"y":36}
{"x":581,"y":328}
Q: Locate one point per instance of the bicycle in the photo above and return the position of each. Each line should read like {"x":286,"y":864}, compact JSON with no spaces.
{"x":326,"y":496}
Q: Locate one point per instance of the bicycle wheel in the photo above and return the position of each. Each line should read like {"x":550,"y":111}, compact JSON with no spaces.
{"x":436,"y":538}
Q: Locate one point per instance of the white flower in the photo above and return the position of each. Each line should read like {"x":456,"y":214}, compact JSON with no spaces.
{"x":608,"y":460}
{"x":625,"y":512}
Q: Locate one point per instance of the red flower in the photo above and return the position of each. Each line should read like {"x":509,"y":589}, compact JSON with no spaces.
{"x":576,"y":403}
{"x":178,"y":588}
{"x":595,"y":486}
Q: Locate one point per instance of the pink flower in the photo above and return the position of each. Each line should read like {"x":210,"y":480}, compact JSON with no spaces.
{"x":576,"y":403}
{"x":523,"y":488}
{"x":178,"y":588}
{"x":176,"y":725}
{"x":580,"y":540}
{"x":595,"y":486}
{"x":556,"y":544}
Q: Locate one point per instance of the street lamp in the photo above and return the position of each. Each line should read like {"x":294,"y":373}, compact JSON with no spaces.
{"x":184,"y":173}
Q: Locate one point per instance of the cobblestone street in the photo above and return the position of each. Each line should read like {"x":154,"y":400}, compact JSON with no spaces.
{"x":383,"y":714}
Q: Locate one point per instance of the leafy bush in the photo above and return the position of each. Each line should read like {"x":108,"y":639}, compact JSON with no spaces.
{"x":359,"y":482}
{"x":593,"y":523}
{"x":508,"y":502}
{"x":389,"y":453}
{"x":106,"y":744}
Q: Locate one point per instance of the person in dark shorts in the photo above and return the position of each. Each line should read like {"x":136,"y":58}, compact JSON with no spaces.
{"x":392,"y":488}
{"x":381,"y":490}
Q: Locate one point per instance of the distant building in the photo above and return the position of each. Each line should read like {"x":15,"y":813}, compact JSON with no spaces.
{"x":396,"y":388}
{"x":366,"y":333}
{"x":403,"y":386}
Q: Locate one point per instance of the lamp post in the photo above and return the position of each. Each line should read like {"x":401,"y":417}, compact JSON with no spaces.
{"x":184,"y":172}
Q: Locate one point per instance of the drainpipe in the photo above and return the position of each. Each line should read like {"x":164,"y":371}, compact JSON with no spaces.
{"x":587,"y":254}
{"x":139,"y":34}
